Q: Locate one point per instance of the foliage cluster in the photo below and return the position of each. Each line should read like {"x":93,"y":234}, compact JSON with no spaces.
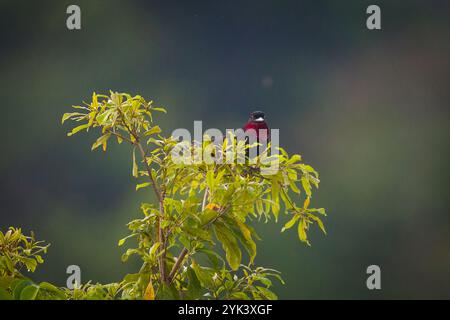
{"x":194,"y":237}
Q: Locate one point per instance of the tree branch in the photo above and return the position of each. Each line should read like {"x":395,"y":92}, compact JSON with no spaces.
{"x":158,"y":193}
{"x":177,"y":265}
{"x":160,"y":196}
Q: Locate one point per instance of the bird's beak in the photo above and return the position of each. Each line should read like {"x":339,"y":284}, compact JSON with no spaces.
{"x":260,"y":119}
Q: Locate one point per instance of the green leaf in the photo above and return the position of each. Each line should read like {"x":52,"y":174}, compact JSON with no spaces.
{"x":295,"y":158}
{"x":69,"y":115}
{"x":159,"y":109}
{"x":142,"y":185}
{"x":266,"y":293}
{"x":204,"y":275}
{"x":103,"y":116}
{"x":19,"y":286}
{"x":306,"y":185}
{"x":210,"y":179}
{"x":4,"y":295}
{"x":247,"y":240}
{"x":212,"y":256}
{"x":154,"y":248}
{"x":39,"y":259}
{"x":53,"y":290}
{"x":259,"y":207}
{"x":302,"y":231}
{"x":101,"y":140}
{"x":230,"y":245}
{"x":131,"y":277}
{"x":167,"y":292}
{"x":5,"y":281}
{"x":29,"y":292}
{"x":286,"y":199}
{"x":79,"y":128}
{"x":294,"y":187}
{"x":290,"y":223}
{"x":152,"y":130}
{"x":265,"y":281}
{"x":319,"y":222}
{"x":121,"y":242}
{"x":128,"y":253}
{"x":194,"y":288}
{"x":308,"y":168}
{"x":275,"y":199}
{"x":30,"y":263}
{"x":239,"y":296}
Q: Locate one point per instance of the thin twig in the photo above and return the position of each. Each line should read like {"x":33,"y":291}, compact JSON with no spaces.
{"x":120,"y":136}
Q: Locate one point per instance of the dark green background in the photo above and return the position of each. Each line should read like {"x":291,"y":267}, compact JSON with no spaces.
{"x":368,"y":109}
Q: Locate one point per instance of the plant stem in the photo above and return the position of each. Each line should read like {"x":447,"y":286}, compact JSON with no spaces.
{"x":158,"y":193}
{"x":134,"y":139}
{"x":160,"y":197}
{"x":120,"y":136}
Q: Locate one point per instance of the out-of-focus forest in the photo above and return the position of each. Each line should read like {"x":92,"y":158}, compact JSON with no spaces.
{"x":368,"y":109}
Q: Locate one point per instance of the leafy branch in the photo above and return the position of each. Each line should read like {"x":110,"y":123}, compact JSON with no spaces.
{"x":198,"y":206}
{"x":182,"y":217}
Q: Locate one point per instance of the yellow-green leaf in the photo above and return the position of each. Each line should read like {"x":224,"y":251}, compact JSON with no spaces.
{"x":294,"y":187}
{"x":153,"y":130}
{"x":142,"y":185}
{"x":306,"y":185}
{"x":275,"y":199}
{"x":319,"y":223}
{"x":290,"y":223}
{"x":160,"y":109}
{"x":79,"y":128}
{"x":210,"y":179}
{"x":154,"y":248}
{"x":295,"y":158}
{"x":69,"y":115}
{"x":249,"y":244}
{"x":232,"y":252}
{"x":29,"y":293}
{"x":302,"y":231}
{"x":101,"y":141}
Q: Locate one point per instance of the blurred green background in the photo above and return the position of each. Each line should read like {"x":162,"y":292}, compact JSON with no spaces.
{"x":368,"y":109}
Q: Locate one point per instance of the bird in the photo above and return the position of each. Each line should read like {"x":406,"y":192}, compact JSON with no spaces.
{"x":257,"y":122}
{"x":257,"y":125}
